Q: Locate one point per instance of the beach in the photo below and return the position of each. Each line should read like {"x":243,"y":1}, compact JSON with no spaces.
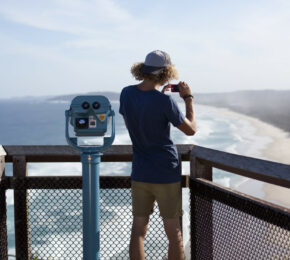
{"x":276,"y":149}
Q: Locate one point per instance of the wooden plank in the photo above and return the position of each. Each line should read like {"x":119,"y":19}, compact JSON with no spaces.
{"x":273,"y":206}
{"x":3,"y":210}
{"x":267,"y":171}
{"x":200,"y":170}
{"x":22,"y":243}
{"x":65,"y":153}
{"x":75,"y":182}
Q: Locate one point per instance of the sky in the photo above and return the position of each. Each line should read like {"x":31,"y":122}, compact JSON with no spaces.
{"x":60,"y":47}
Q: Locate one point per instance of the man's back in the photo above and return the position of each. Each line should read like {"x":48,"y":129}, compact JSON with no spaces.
{"x":148,"y":115}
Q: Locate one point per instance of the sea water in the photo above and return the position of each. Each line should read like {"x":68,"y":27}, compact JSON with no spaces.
{"x":31,"y":122}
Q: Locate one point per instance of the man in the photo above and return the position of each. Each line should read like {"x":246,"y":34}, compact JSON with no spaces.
{"x":155,"y":167}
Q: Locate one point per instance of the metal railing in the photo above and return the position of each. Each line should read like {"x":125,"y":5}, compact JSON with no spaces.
{"x":225,"y":224}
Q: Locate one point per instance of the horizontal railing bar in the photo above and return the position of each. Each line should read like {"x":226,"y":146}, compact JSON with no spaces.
{"x":271,"y":172}
{"x":70,"y":182}
{"x":65,"y":153}
{"x":262,"y":170}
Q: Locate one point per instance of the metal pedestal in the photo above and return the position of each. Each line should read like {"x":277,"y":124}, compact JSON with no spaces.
{"x":91,"y":205}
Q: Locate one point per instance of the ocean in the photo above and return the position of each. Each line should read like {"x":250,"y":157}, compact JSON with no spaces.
{"x":32,"y":122}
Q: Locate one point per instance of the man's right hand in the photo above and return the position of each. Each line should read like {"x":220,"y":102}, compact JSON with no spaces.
{"x":184,"y":89}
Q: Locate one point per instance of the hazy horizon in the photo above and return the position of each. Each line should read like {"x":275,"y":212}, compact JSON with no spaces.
{"x":118,"y":92}
{"x":61,"y":47}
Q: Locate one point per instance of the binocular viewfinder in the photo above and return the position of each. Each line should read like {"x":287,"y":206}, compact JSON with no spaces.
{"x":90,"y":116}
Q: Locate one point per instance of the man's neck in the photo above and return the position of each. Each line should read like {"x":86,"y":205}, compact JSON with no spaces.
{"x":147,"y":85}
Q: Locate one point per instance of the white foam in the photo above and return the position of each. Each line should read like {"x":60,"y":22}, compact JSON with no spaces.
{"x":115,"y":169}
{"x":122,"y":138}
{"x":12,"y":254}
{"x":231,"y":148}
{"x":225,"y":181}
{"x":248,"y":142}
{"x":54,"y":169}
{"x":9,"y":197}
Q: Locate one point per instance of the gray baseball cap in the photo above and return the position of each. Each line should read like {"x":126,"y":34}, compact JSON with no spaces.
{"x":155,"y":62}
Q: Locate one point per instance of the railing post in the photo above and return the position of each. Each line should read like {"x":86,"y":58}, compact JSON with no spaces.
{"x":3,"y":209}
{"x":200,"y":249}
{"x":180,"y":171}
{"x":22,"y":243}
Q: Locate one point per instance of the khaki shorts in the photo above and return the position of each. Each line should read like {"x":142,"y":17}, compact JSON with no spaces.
{"x":168,"y":197}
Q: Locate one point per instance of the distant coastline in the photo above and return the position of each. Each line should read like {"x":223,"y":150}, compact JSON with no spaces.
{"x":270,"y":106}
{"x":67,"y":98}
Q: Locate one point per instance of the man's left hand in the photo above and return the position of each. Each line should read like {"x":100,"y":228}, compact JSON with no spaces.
{"x":165,"y":88}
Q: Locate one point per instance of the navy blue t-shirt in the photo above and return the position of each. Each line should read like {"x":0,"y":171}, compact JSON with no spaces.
{"x":148,"y":115}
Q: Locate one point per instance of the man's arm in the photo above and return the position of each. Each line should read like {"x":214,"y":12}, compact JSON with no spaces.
{"x":189,"y":125}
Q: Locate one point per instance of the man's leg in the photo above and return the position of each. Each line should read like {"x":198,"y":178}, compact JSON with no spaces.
{"x":168,"y":197}
{"x":173,"y":232}
{"x":139,"y":229}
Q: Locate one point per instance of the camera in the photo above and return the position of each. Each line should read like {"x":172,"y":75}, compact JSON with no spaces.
{"x":174,"y":87}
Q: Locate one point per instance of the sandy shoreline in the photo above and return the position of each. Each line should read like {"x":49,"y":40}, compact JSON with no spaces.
{"x":276,"y":150}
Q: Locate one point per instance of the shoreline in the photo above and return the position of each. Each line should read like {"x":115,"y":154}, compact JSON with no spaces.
{"x":276,"y":149}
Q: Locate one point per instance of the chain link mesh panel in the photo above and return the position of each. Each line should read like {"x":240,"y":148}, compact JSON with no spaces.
{"x":116,"y":221}
{"x":54,"y":207}
{"x":55,"y":223}
{"x":227,"y":226}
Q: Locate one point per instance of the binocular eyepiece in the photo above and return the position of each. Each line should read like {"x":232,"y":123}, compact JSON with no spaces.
{"x":95,"y":105}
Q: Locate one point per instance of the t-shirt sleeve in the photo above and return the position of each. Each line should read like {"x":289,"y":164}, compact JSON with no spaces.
{"x":121,"y":108}
{"x":173,"y":113}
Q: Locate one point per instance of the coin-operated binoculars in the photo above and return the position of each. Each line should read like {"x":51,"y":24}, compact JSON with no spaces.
{"x":89,"y":117}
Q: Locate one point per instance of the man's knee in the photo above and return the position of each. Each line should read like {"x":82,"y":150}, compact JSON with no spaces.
{"x":139,"y":227}
{"x":173,"y":229}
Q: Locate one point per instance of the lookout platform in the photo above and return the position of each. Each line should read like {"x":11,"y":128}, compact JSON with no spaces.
{"x":220,"y":223}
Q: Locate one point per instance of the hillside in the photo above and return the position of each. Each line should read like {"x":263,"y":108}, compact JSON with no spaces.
{"x":268,"y":105}
{"x":110,"y":95}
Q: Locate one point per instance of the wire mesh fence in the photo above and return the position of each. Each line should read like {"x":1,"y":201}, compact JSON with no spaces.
{"x":227,"y":226}
{"x":54,"y":216}
{"x":223,"y":224}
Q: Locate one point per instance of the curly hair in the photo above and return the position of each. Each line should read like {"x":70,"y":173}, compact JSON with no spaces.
{"x":167,"y":74}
